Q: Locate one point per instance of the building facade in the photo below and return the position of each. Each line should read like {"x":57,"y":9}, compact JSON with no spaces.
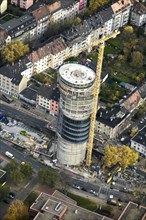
{"x":76,"y":102}
{"x":24,"y":4}
{"x":48,"y":99}
{"x":121,"y":11}
{"x":138,"y":142}
{"x":138,"y":14}
{"x":111,"y":123}
{"x":12,"y":82}
{"x":21,"y":28}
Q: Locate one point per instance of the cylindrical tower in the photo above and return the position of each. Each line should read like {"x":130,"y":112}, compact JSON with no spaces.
{"x":76,"y":102}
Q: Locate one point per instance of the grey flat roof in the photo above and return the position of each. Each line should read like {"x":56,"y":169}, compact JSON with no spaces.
{"x":2,"y":172}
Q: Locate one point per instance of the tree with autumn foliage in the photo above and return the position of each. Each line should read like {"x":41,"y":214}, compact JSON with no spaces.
{"x":13,"y":51}
{"x":17,"y":211}
{"x":95,"y":4}
{"x":124,"y":156}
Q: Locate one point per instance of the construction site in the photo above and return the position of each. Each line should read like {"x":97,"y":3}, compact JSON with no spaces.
{"x":79,"y":87}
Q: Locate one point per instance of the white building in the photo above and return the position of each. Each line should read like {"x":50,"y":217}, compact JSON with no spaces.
{"x":138,"y":14}
{"x":66,"y":11}
{"x":11,"y":80}
{"x":42,"y":16}
{"x":121,"y":11}
{"x":138,"y":142}
{"x":107,"y":20}
{"x":3,"y":6}
{"x":50,"y":55}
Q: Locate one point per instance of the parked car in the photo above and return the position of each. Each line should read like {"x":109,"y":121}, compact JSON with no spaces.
{"x":7,"y":200}
{"x":76,"y":186}
{"x":12,"y":195}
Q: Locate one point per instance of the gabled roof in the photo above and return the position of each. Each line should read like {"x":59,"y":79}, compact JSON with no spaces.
{"x":106,"y":14}
{"x":132,"y":100}
{"x":40,"y":13}
{"x":53,"y":47}
{"x":54,"y":6}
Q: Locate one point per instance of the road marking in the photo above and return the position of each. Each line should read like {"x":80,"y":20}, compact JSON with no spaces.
{"x":26,"y":185}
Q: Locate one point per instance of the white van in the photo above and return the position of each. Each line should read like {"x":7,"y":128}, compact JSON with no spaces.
{"x":8,"y":154}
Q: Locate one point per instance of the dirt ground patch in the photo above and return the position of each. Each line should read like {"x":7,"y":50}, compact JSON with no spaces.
{"x":44,"y":188}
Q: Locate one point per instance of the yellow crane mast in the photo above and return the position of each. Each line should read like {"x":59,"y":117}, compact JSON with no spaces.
{"x":100,"y":44}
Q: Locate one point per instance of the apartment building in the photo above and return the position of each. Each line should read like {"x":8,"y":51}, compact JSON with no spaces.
{"x":68,"y":9}
{"x":29,"y":94}
{"x":138,"y":14}
{"x":111,"y":122}
{"x":3,"y":6}
{"x":12,"y":81}
{"x":24,"y":4}
{"x":48,"y":99}
{"x":107,"y":20}
{"x":50,"y":55}
{"x":20,"y":28}
{"x":121,"y":11}
{"x":42,"y":18}
{"x":138,"y":142}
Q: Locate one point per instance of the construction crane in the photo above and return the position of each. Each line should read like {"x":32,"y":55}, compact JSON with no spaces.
{"x":101,"y":44}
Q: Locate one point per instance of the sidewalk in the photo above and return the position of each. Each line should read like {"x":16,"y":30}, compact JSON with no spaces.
{"x":37,"y":113}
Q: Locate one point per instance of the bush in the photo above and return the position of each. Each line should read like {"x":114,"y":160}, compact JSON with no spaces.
{"x":83,"y":202}
{"x":31,"y":198}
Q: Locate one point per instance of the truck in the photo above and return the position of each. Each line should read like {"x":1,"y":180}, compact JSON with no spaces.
{"x":8,"y":154}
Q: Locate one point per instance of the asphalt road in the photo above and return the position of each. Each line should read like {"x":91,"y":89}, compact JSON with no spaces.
{"x":101,"y":190}
{"x":34,"y":122}
{"x":20,"y":157}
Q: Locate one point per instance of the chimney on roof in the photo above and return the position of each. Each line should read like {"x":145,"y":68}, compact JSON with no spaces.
{"x":100,"y":114}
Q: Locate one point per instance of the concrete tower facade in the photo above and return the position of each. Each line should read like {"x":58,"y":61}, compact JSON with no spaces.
{"x":76,"y":104}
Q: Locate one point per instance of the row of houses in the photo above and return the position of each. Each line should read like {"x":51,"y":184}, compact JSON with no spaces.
{"x":45,"y":97}
{"x":14,"y":78}
{"x":35,"y":22}
{"x":70,"y":43}
{"x":112,"y":122}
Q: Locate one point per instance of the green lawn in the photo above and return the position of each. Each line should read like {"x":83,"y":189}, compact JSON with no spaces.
{"x":115,"y":42}
{"x":47,"y":77}
{"x":83,"y":202}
